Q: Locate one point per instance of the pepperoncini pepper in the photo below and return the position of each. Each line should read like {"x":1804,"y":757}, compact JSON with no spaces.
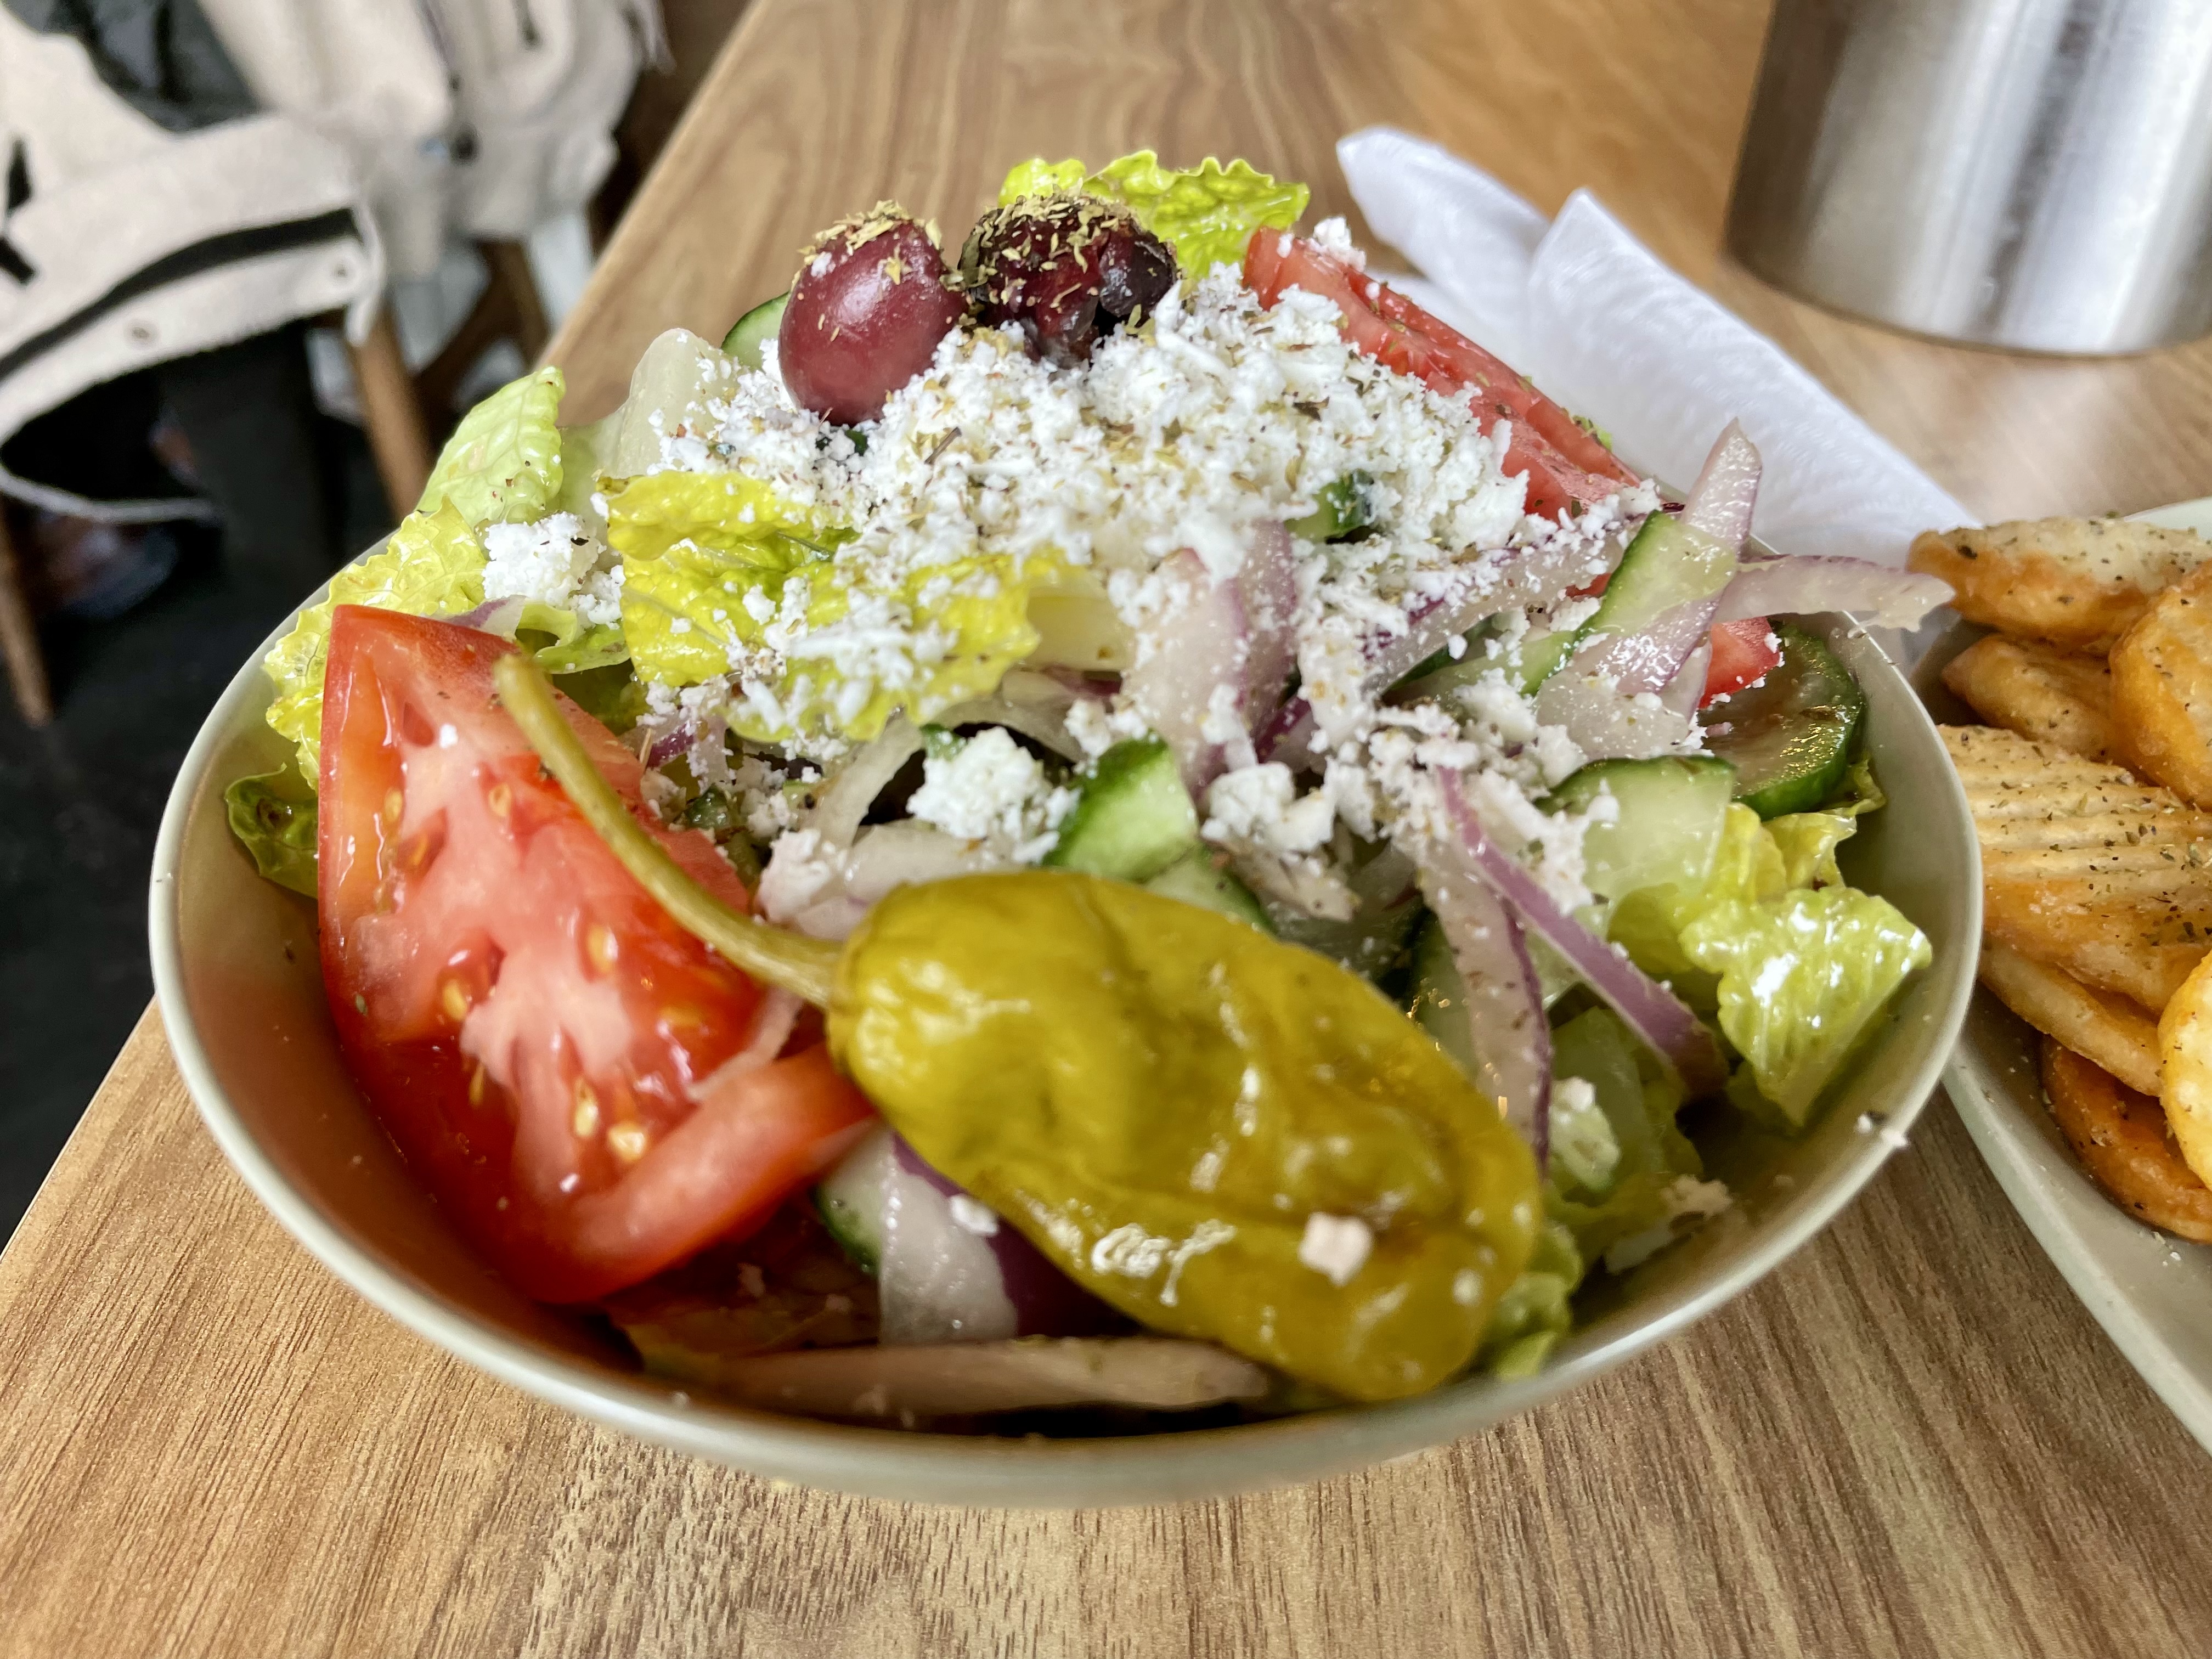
{"x":1163,"y":1098}
{"x":1224,"y":1136}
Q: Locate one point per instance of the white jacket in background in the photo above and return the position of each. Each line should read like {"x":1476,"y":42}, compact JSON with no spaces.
{"x":126,"y":245}
{"x":476,"y":118}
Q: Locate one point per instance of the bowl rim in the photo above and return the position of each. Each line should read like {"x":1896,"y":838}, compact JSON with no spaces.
{"x":1035,"y":1473}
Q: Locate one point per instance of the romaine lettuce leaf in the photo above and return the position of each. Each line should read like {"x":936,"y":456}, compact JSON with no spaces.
{"x":1537,"y":1309}
{"x":1038,"y":177}
{"x":274,"y":817}
{"x":1800,"y":979}
{"x":1206,"y":213}
{"x":1649,"y":922}
{"x":432,"y":566}
{"x":503,"y":461}
{"x":571,"y":645}
{"x":720,"y":576}
{"x":1807,"y":841}
{"x":696,"y":548}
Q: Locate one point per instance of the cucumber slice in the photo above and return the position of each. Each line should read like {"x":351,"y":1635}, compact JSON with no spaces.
{"x":1667,"y":564}
{"x":850,"y":1199}
{"x":1542,"y":654}
{"x":1790,"y":736}
{"x":1195,"y":880}
{"x":1672,"y":811}
{"x":1346,"y":508}
{"x":753,"y":330}
{"x":1133,"y":818}
{"x":1439,"y":1000}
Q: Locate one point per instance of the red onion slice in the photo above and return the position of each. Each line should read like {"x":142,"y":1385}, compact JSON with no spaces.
{"x":1653,"y":1013}
{"x":1606,"y":723}
{"x":1268,"y":587}
{"x":500,"y":617}
{"x":1512,"y":1039}
{"x":1721,"y":501}
{"x":1535,"y":577}
{"x":1195,"y":651}
{"x":971,"y":1379}
{"x":1045,"y":1300}
{"x":1596,"y":695}
{"x":1805,"y":585}
{"x":842,"y":806}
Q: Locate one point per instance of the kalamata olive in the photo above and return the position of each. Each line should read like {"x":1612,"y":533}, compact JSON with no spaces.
{"x":867,"y":308}
{"x":1067,"y":268}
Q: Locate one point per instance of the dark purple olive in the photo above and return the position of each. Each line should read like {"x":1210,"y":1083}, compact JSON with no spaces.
{"x":1069,"y":269}
{"x":867,"y":308}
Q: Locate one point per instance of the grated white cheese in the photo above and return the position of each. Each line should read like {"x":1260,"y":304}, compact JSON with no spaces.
{"x":556,"y":561}
{"x":993,"y":790}
{"x":1335,"y":1246}
{"x":1259,"y":806}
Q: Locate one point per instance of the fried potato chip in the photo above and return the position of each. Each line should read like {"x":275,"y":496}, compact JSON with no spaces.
{"x":2098,"y":1026}
{"x":2120,"y":1136}
{"x":2037,"y":690}
{"x":2184,"y":1043}
{"x":2084,"y":868}
{"x":2162,"y":689}
{"x":2075,"y":582}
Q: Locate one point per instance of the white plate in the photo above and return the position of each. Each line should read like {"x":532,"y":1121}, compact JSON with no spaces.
{"x":2151,"y":1292}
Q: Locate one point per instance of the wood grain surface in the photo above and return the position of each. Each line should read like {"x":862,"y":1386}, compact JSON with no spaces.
{"x":1910,"y":1440}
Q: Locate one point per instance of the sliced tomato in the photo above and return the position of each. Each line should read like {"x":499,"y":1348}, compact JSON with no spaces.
{"x":1744,"y":653}
{"x":1564,"y":462}
{"x":571,"y":1073}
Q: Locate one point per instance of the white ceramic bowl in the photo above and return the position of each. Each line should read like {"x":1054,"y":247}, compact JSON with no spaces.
{"x":236,"y":967}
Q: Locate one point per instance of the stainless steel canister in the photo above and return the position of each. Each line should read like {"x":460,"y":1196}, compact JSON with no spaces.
{"x":2031,"y":173}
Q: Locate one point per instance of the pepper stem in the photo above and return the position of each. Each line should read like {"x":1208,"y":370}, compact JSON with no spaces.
{"x":804,"y":967}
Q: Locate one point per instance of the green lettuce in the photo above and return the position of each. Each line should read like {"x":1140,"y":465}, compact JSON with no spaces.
{"x":1792,"y":963}
{"x":1807,"y":841}
{"x":694,"y":546}
{"x":571,"y":645}
{"x":1038,"y":177}
{"x":1206,"y":214}
{"x":432,"y":566}
{"x":1537,"y":1309}
{"x":504,"y":462}
{"x":1801,"y":978}
{"x":1649,"y":922}
{"x":697,"y":547}
{"x":274,"y":817}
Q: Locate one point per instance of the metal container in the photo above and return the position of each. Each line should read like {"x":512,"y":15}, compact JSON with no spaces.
{"x":2028,"y":173}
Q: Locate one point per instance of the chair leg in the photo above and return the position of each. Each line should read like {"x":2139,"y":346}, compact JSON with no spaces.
{"x":19,"y":638}
{"x":510,"y":271}
{"x":393,"y":416}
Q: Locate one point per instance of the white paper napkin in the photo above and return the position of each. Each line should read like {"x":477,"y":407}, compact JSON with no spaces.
{"x":1588,"y":312}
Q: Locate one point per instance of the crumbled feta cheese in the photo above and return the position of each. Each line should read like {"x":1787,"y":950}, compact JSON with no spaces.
{"x":991,"y":789}
{"x":1259,"y":806}
{"x":1583,"y":1139}
{"x":798,"y":868}
{"x":556,"y":561}
{"x":972,"y":1217}
{"x":1335,"y":1246}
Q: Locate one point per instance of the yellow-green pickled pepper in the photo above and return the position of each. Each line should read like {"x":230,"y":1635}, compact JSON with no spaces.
{"x":1225,"y":1136}
{"x":1164,"y":1100}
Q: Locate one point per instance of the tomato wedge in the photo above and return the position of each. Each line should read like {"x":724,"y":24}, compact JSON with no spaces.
{"x":1744,"y":653}
{"x":1562,"y":461}
{"x":590,"y":1093}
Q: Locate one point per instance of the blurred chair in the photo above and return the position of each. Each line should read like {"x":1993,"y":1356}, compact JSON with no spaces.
{"x":185,"y":174}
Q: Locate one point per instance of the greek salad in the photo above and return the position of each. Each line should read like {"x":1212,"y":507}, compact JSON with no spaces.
{"x":1110,"y":818}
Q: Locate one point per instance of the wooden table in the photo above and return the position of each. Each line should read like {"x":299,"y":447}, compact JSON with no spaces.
{"x":1910,"y":1440}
